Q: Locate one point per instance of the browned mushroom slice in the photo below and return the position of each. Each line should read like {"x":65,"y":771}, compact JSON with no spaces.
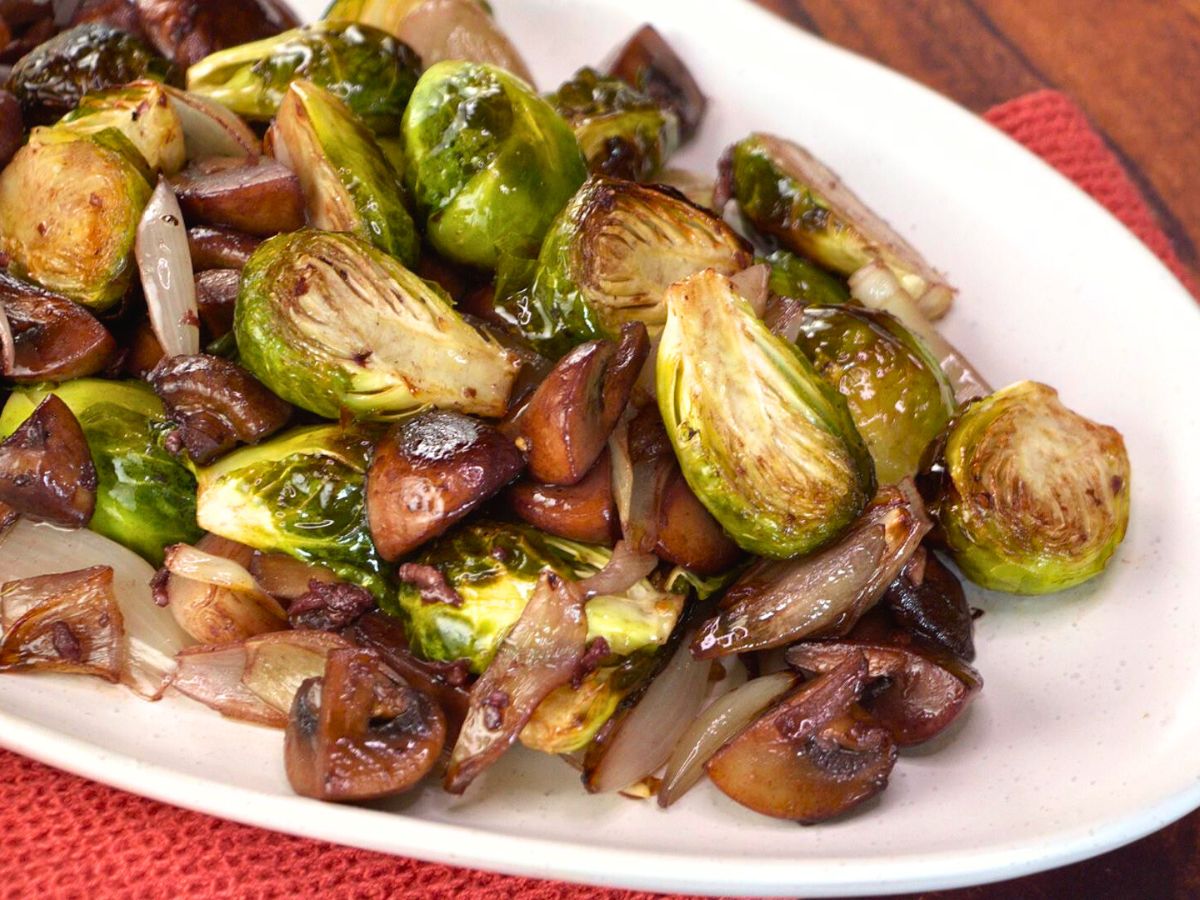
{"x":46,"y":471}
{"x":579,"y":512}
{"x":429,"y":472}
{"x":358,"y":732}
{"x":69,"y":622}
{"x":216,"y":404}
{"x":216,"y":295}
{"x":122,"y":14}
{"x":648,"y":63}
{"x":928,"y":599}
{"x":12,"y":127}
{"x":917,"y":698}
{"x":257,"y":196}
{"x":567,"y":423}
{"x":812,"y":756}
{"x":142,"y":351}
{"x":540,"y":653}
{"x":285,"y":577}
{"x":186,"y":31}
{"x":220,"y":248}
{"x":54,"y":339}
{"x":687,"y":534}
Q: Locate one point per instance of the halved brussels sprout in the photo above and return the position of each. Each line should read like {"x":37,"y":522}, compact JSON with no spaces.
{"x":69,"y":210}
{"x":143,"y":112}
{"x":612,"y":254}
{"x":623,"y":133}
{"x":371,"y":71}
{"x":795,"y":277}
{"x":489,"y":163}
{"x":145,"y":497}
{"x":300,"y":493}
{"x":785,"y":192}
{"x":348,"y":183}
{"x":766,"y":444}
{"x":1030,"y":497}
{"x":485,"y":573}
{"x":898,"y":395}
{"x":330,"y":323}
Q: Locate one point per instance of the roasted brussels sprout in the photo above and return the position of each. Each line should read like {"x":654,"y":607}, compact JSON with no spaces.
{"x":52,"y":79}
{"x":489,"y":164}
{"x":464,"y":591}
{"x":897,"y":393}
{"x":368,"y":69}
{"x":145,"y":497}
{"x":622,"y":132}
{"x":1030,"y":497}
{"x":330,"y":323}
{"x":765,"y":443}
{"x":142,"y":111}
{"x":795,"y":277}
{"x":349,"y":185}
{"x":300,"y":493}
{"x":785,"y":192}
{"x":612,"y":254}
{"x":69,"y":210}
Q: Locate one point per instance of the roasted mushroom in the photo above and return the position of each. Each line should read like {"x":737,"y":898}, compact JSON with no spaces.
{"x":46,"y":470}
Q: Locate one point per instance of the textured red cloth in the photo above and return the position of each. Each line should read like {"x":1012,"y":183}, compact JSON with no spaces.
{"x":67,"y":837}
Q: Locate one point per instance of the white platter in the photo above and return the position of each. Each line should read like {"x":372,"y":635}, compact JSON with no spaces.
{"x":1086,"y":734}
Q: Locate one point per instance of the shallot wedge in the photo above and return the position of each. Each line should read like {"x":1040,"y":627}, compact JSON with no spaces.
{"x":212,"y":675}
{"x":540,"y":653}
{"x":209,"y":129}
{"x":278,"y":663}
{"x":165,"y":265}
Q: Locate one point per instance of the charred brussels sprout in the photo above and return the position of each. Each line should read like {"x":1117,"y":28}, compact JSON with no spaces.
{"x":1030,"y":497}
{"x":468,"y":588}
{"x":795,"y":277}
{"x":612,"y":254}
{"x":52,"y":79}
{"x":349,"y":185}
{"x":368,"y":69}
{"x":331,"y":324}
{"x":897,"y":394}
{"x":622,"y":132}
{"x":489,"y":163}
{"x":766,"y":444}
{"x":141,"y":111}
{"x":69,"y":210}
{"x":300,"y":493}
{"x":145,"y":497}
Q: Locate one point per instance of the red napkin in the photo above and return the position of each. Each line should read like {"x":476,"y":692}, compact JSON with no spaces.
{"x":68,"y":837}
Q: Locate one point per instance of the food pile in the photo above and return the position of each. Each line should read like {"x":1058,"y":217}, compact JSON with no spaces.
{"x":355,"y":388}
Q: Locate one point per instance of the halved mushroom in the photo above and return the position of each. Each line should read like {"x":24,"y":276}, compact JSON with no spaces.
{"x":812,"y":756}
{"x":216,"y":294}
{"x":122,"y":14}
{"x":927,"y":599}
{"x":54,"y":338}
{"x":566,"y":424}
{"x":142,"y":350}
{"x":648,"y":63}
{"x":257,"y":196}
{"x":360,"y":732}
{"x":186,"y":32}
{"x":429,"y":472}
{"x":579,"y":512}
{"x":220,"y":248}
{"x":46,"y":470}
{"x":688,"y":535}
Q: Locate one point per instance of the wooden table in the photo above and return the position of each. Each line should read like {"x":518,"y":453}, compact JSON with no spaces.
{"x":1134,"y":67}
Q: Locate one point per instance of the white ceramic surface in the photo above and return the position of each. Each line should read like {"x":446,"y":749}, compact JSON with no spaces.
{"x":1087,"y":733}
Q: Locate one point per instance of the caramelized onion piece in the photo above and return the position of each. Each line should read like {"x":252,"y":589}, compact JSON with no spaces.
{"x":918,"y":698}
{"x":212,"y":675}
{"x":46,"y":470}
{"x":579,"y":512}
{"x":359,"y":732}
{"x":540,"y":653}
{"x":215,"y":405}
{"x":778,"y":602}
{"x":258,"y":196}
{"x":648,"y":63}
{"x":12,"y":127}
{"x":68,"y":622}
{"x":285,"y":577}
{"x":565,"y":426}
{"x":459,"y":29}
{"x":54,"y":338}
{"x":812,"y":756}
{"x":219,"y":248}
{"x":625,"y":568}
{"x":429,"y":472}
{"x":185,"y":31}
{"x":165,"y":266}
{"x":278,"y":663}
{"x":928,"y":600}
{"x":216,"y":294}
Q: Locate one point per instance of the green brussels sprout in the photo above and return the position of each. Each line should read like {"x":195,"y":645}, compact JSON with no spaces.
{"x":145,"y":497}
{"x":1030,"y":497}
{"x":70,"y":205}
{"x":330,"y":323}
{"x":368,"y":69}
{"x":348,"y":183}
{"x":52,"y":78}
{"x":489,"y":163}
{"x":898,"y":395}
{"x":494,"y":567}
{"x":612,"y":254}
{"x":783,"y":191}
{"x":766,"y":444}
{"x":143,"y":112}
{"x":794,"y":276}
{"x":383,"y":14}
{"x":622,"y":132}
{"x":300,"y":493}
